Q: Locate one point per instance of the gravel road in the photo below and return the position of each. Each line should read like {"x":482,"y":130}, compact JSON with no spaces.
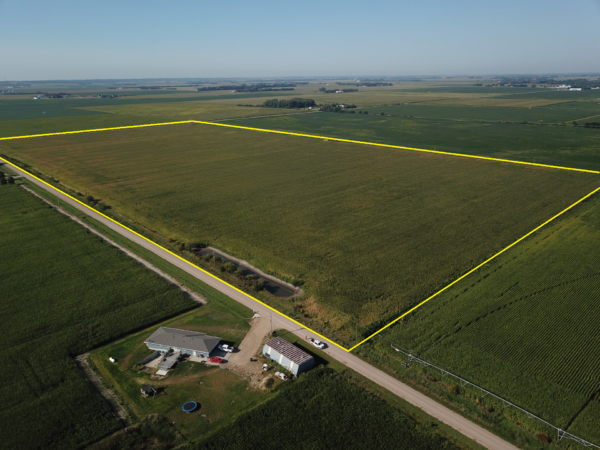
{"x":431,"y":407}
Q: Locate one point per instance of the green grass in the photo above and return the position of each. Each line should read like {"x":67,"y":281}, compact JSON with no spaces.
{"x":63,"y":292}
{"x":323,"y":410}
{"x":222,"y":394}
{"x":555,"y":145}
{"x":525,"y":326}
{"x":372,"y":230}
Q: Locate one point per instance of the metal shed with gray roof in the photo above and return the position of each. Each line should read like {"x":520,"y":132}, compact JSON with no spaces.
{"x":190,"y":342}
{"x":288,"y":355}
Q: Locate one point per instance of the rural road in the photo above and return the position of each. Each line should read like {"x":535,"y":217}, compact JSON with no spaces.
{"x":431,"y":407}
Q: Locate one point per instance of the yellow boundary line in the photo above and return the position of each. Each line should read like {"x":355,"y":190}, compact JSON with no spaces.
{"x":168,"y":251}
{"x":315,"y":137}
{"x":289,"y":133}
{"x":394,"y":146}
{"x":479,"y":266}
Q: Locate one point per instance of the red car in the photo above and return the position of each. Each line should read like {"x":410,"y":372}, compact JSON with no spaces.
{"x":216,"y":359}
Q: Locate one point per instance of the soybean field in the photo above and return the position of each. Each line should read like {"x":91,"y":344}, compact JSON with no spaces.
{"x":370,"y":230}
{"x":527,"y":325}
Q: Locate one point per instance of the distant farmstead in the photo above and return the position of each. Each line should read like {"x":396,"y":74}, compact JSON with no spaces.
{"x":193,"y":343}
{"x":288,"y":355}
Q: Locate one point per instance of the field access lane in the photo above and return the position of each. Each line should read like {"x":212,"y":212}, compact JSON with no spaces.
{"x":429,"y":406}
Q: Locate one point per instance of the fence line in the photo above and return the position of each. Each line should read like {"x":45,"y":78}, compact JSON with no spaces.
{"x":562,"y":434}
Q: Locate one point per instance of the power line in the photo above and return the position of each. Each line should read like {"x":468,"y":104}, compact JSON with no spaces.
{"x":562,"y":434}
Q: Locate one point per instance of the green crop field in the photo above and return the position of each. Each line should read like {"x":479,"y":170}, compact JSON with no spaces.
{"x":546,"y":144}
{"x":526,"y":326}
{"x":26,"y":117}
{"x":322,"y":410}
{"x":63,"y":293}
{"x":561,"y":112}
{"x":371,"y":230}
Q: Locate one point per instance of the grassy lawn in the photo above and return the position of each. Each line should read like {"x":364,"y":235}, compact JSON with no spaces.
{"x":354,"y":222}
{"x":222,"y":395}
{"x":65,"y":291}
{"x":525,"y":326}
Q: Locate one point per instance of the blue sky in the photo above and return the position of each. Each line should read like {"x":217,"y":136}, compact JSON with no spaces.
{"x":42,"y":39}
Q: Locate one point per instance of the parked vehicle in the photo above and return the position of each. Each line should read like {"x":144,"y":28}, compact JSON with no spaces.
{"x":226,"y":348}
{"x":266,"y":367}
{"x":216,"y":359}
{"x":318,"y":344}
{"x":281,"y":375}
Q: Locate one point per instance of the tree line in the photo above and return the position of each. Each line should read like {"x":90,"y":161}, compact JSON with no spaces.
{"x":291,"y":103}
{"x":251,"y":87}
{"x":333,"y":91}
{"x":4,"y":180}
{"x":366,"y":84}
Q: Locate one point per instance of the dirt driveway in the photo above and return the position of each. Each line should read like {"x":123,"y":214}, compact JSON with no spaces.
{"x":240,"y":360}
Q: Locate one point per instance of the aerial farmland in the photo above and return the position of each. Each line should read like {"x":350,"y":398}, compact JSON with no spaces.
{"x":437,"y":202}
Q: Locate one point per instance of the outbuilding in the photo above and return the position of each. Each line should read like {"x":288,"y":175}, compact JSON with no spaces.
{"x":148,"y":391}
{"x":193,"y":343}
{"x":288,"y":356}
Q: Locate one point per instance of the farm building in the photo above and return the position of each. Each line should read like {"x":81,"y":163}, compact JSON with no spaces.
{"x":288,"y":355}
{"x":189,"y":342}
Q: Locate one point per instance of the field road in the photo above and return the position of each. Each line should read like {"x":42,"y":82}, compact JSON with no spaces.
{"x":431,"y":407}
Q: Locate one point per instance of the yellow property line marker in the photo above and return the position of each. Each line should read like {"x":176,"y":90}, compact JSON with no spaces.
{"x":463,"y":155}
{"x":479,"y":266}
{"x":168,"y":251}
{"x":92,"y":130}
{"x":394,"y":146}
{"x":314,"y":137}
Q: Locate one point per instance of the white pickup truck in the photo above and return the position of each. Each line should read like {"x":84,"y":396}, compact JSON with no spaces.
{"x":318,"y":344}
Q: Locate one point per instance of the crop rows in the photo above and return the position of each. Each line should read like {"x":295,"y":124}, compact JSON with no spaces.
{"x":527,"y":325}
{"x":322,"y":409}
{"x":63,"y":293}
{"x":370,"y":230}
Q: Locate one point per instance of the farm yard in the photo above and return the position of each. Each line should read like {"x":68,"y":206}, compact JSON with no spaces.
{"x":527,"y":325}
{"x":372,"y":231}
{"x":220,"y":393}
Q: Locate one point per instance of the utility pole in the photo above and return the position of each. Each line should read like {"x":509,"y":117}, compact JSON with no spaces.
{"x":271,"y":320}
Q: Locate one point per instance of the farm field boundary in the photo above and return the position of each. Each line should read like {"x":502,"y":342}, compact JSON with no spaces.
{"x":314,"y":137}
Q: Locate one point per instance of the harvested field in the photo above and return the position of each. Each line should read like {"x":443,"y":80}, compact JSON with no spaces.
{"x":371,"y":230}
